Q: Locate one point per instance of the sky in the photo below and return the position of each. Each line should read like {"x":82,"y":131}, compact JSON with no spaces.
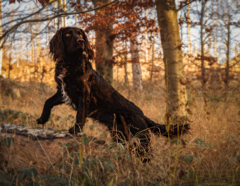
{"x":28,"y":6}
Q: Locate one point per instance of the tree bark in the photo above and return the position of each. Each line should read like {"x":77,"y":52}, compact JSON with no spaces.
{"x":228,"y":49}
{"x":104,"y":46}
{"x":153,"y":56}
{"x":189,"y":31}
{"x":33,"y":52}
{"x":9,"y":65}
{"x":173,"y":57}
{"x":136,"y":68}
{"x":202,"y":43}
{"x":108,"y":53}
{"x":1,"y":50}
{"x":64,"y":18}
{"x":228,"y":56}
{"x":125,"y":64}
{"x":42,"y":146}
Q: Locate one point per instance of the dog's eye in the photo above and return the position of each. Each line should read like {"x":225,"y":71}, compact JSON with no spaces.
{"x":68,"y":35}
{"x":80,"y":36}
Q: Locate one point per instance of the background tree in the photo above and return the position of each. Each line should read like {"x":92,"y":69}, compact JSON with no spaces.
{"x":104,"y":40}
{"x":173,"y":58}
{"x":1,"y":50}
{"x":229,"y":14}
{"x":136,"y":68}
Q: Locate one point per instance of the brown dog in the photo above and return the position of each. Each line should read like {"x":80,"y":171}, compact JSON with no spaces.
{"x":80,"y":86}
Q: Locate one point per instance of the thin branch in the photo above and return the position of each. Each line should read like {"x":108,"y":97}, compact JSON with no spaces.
{"x":185,"y":5}
{"x":234,"y":64}
{"x":36,"y":34}
{"x":10,"y":30}
{"x":34,"y":13}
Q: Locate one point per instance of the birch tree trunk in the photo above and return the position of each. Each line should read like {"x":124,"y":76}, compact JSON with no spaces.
{"x":173,"y":57}
{"x":55,"y":21}
{"x":136,"y":68}
{"x":64,"y":18}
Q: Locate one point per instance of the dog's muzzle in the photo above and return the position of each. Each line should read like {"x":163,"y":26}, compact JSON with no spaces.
{"x":80,"y":40}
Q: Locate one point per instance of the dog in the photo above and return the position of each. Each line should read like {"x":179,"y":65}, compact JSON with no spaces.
{"x":87,"y":92}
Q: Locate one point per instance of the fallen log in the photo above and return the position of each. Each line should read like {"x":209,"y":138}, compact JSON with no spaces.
{"x":25,"y":147}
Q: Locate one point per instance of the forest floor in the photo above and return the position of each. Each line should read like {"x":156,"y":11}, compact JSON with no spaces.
{"x":209,"y":156}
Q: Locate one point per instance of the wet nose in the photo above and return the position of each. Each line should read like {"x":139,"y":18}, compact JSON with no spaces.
{"x":79,"y":40}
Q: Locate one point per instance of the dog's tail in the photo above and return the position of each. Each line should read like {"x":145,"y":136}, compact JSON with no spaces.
{"x":161,"y":129}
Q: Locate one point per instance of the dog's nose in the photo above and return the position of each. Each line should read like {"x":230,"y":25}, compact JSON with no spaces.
{"x":79,"y":40}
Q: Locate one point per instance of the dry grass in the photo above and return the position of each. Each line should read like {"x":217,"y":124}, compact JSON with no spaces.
{"x":209,"y":157}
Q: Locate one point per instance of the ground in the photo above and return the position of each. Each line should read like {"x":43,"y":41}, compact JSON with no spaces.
{"x":209,"y":155}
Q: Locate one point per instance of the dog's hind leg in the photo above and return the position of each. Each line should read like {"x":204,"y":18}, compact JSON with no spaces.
{"x":78,"y":125}
{"x":49,"y":104}
{"x":126,"y":130}
{"x":143,"y":149}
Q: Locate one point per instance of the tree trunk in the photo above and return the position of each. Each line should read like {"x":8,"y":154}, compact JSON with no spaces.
{"x":59,"y":18}
{"x":9,"y":66}
{"x":228,"y":49}
{"x":153,"y":56}
{"x":227,"y":55}
{"x":173,"y":57}
{"x":33,"y":52}
{"x":55,"y":21}
{"x":64,"y":18}
{"x":108,"y":53}
{"x":146,"y":39}
{"x":1,"y":41}
{"x":125,"y":64}
{"x":189,"y":31}
{"x":104,"y":47}
{"x":202,"y":44}
{"x":38,"y":63}
{"x":99,"y":42}
{"x":136,"y":68}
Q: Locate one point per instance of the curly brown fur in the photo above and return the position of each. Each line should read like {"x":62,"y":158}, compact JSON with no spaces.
{"x":80,"y":86}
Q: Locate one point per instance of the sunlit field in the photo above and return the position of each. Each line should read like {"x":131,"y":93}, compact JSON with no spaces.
{"x":208,"y":155}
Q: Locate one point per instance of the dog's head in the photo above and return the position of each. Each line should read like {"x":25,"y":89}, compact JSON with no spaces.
{"x":69,"y":40}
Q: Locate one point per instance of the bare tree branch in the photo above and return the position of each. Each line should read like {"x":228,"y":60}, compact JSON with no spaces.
{"x":185,"y":5}
{"x":30,"y":14}
{"x":10,"y":30}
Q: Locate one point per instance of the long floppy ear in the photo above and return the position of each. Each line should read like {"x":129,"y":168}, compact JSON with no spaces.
{"x":88,"y":48}
{"x":57,"y":46}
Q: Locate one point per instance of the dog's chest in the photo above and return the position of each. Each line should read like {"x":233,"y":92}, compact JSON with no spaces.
{"x":64,"y":83}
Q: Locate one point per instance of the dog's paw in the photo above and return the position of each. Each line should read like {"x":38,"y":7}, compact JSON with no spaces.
{"x":75,"y":129}
{"x":41,"y":121}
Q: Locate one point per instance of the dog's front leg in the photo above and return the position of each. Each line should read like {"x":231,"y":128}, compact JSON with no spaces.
{"x":80,"y":117}
{"x":49,"y":104}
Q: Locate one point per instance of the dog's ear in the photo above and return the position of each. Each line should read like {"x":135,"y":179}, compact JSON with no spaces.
{"x":57,"y":46}
{"x":88,"y":48}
